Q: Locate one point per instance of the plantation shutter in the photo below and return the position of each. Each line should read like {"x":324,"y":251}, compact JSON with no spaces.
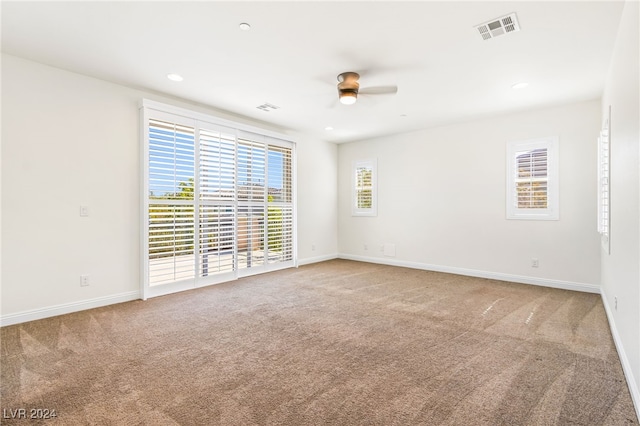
{"x":604,"y":190}
{"x":219,"y":201}
{"x":170,"y":212}
{"x":531,"y":179}
{"x":251,"y":171}
{"x":251,"y":200}
{"x":604,"y":196}
{"x":217,"y":190}
{"x":364,"y":187}
{"x":280,"y":207}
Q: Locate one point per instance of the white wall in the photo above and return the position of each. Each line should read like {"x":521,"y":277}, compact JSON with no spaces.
{"x":442,"y":200}
{"x":68,"y":140}
{"x":317,"y":201}
{"x":621,"y":268}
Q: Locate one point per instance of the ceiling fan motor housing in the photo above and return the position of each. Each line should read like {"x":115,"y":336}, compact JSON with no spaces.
{"x":348,"y":82}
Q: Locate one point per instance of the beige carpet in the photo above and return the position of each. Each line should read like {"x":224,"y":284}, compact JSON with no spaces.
{"x":334,"y":343}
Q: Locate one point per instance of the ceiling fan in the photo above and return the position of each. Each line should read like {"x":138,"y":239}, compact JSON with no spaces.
{"x":349,"y":88}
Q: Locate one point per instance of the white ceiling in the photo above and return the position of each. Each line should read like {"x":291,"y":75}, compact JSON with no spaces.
{"x":444,"y":71}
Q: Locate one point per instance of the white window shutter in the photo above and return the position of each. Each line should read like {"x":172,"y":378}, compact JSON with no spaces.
{"x":604,"y":197}
{"x":170,"y":212}
{"x":532,"y":179}
{"x":219,"y":200}
{"x":364,"y":188}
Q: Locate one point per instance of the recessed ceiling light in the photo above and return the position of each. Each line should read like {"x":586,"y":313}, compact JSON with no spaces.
{"x":328,"y":128}
{"x":521,"y":85}
{"x":175,"y":77}
{"x":403,"y":115}
{"x":245,"y":27}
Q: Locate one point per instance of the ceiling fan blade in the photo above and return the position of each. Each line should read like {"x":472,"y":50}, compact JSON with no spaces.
{"x":379,"y":90}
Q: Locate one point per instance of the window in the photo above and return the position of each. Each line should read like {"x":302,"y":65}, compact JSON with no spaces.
{"x":603,"y":185}
{"x":364,"y":188}
{"x":532,"y":179}
{"x":219,"y":200}
{"x":170,"y":207}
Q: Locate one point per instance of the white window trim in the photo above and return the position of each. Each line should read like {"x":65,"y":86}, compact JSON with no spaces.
{"x":552,"y":212}
{"x":373,"y":210}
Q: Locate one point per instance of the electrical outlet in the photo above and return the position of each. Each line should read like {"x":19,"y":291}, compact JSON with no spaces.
{"x":313,"y":247}
{"x":366,"y":247}
{"x":84,"y":280}
{"x":615,"y":303}
{"x":534,"y":263}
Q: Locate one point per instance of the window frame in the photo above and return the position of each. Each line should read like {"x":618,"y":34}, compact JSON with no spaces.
{"x":516,"y":148}
{"x":151,"y":110}
{"x":357,"y":210}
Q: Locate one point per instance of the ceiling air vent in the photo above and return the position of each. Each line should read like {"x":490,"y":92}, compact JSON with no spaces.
{"x":499,"y":26}
{"x":267,"y":107}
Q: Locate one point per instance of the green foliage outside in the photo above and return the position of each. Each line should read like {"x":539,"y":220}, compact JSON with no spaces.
{"x":176,"y":223}
{"x":172,"y":241}
{"x":274,"y":227}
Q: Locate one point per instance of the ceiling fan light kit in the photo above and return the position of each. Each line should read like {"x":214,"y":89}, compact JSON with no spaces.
{"x":348,"y":97}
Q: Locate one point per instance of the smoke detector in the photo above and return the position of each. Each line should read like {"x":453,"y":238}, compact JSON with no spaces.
{"x":499,"y":26}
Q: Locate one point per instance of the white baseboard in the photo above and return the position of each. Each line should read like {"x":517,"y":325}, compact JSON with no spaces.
{"x":544,"y":282}
{"x":316,"y":259}
{"x":624,"y":360}
{"x":67,"y":308}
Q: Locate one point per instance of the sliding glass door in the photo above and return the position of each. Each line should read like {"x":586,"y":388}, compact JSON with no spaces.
{"x":218,"y":202}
